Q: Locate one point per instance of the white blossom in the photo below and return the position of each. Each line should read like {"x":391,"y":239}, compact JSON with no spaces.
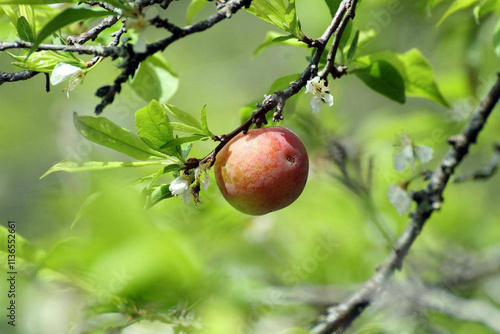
{"x":399,"y":198}
{"x":63,"y":72}
{"x":180,"y":187}
{"x":316,"y":86}
{"x":424,"y":153}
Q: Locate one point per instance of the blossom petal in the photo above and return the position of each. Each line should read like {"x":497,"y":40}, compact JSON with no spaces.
{"x":316,"y":104}
{"x":62,"y":72}
{"x":424,"y":153}
{"x":205,"y":183}
{"x":328,"y":98}
{"x":403,"y":158}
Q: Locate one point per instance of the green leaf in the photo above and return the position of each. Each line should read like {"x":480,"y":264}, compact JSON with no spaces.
{"x":184,"y":139}
{"x":484,"y":8}
{"x":456,"y":6}
{"x":415,"y":69}
{"x":186,"y":128}
{"x":333,"y":6}
{"x":366,"y":36}
{"x":153,"y":126}
{"x":65,"y":18}
{"x":84,"y":208}
{"x":29,"y":14}
{"x":204,"y":122}
{"x":383,"y":78}
{"x":44,"y":61}
{"x":279,"y":84}
{"x":24,"y":30}
{"x":158,"y":194}
{"x":353,"y":46}
{"x":182,"y":116}
{"x":281,"y":13}
{"x":11,"y":14}
{"x":194,"y":8}
{"x":93,"y":166}
{"x":34,"y":2}
{"x":275,"y":38}
{"x":155,"y":79}
{"x":102,"y":131}
{"x":496,"y":38}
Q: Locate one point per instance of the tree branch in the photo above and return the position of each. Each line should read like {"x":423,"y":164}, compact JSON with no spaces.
{"x":132,"y":59}
{"x":17,"y":76}
{"x":279,"y":98}
{"x":485,"y":173}
{"x":94,"y":32}
{"x":105,"y":51}
{"x":428,"y":200}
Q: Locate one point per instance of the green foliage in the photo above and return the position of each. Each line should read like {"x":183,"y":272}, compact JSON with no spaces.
{"x":496,"y":37}
{"x":383,"y":78}
{"x":92,"y":166}
{"x":45,"y":61}
{"x":281,"y":13}
{"x":194,"y":8}
{"x":155,"y":79}
{"x":102,"y":131}
{"x":153,"y":126}
{"x":279,"y":84}
{"x":413,"y":67}
{"x":456,"y":6}
{"x":24,"y":30}
{"x":275,"y":38}
{"x":65,"y":18}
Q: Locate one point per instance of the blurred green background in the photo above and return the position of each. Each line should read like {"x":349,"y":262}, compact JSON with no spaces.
{"x":211,"y":269}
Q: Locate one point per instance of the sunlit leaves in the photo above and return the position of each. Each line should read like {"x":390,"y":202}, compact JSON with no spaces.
{"x":153,"y":125}
{"x":275,"y":38}
{"x":496,"y":38}
{"x":93,"y":166}
{"x":281,"y":13}
{"x":155,"y":79}
{"x":102,"y":131}
{"x":194,"y":8}
{"x":45,"y":61}
{"x":383,"y":78}
{"x":413,"y":67}
{"x":456,"y":6}
{"x":65,"y":18}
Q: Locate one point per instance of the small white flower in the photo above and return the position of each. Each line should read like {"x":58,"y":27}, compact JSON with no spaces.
{"x":316,"y":86}
{"x":399,"y":198}
{"x":63,"y":72}
{"x":410,"y":153}
{"x":180,"y":187}
{"x":203,"y":168}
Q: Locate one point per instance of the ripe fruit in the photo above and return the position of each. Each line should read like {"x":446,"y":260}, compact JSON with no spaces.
{"x":262,"y":171}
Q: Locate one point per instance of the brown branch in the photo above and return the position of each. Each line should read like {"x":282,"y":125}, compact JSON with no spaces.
{"x":17,"y":76}
{"x":133,"y":59}
{"x":279,"y":98}
{"x":330,"y":67}
{"x":428,"y":200}
{"x":94,"y":32}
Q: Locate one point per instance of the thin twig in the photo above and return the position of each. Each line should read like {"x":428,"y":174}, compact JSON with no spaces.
{"x":133,"y":59}
{"x":330,"y":67}
{"x":279,"y":98}
{"x":94,"y":32}
{"x":81,"y":49}
{"x":486,"y":172}
{"x":17,"y":76}
{"x":428,"y":200}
